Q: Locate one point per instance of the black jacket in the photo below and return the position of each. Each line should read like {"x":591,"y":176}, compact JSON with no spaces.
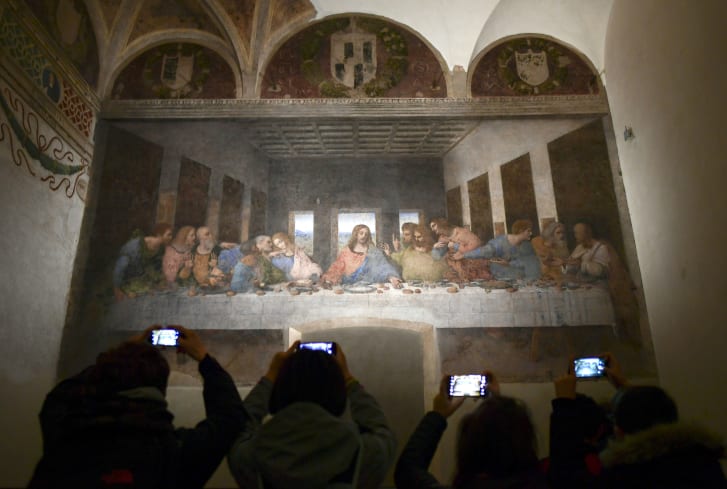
{"x":665,"y":456}
{"x":127,"y":439}
{"x":573,"y":463}
{"x":412,"y":469}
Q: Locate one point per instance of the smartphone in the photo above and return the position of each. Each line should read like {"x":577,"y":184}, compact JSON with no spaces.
{"x":589,"y":367}
{"x":326,"y":346}
{"x":164,"y":337}
{"x":467,"y":385}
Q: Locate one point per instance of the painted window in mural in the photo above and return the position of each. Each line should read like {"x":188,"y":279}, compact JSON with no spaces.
{"x":408,"y":216}
{"x":301,"y":228}
{"x":346,"y":222}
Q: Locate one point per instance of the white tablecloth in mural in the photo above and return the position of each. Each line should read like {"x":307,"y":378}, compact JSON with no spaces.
{"x":470,"y":307}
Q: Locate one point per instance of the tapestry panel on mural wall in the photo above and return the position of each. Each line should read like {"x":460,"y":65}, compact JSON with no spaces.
{"x":231,"y":209}
{"x":481,"y":207}
{"x":454,"y":206}
{"x":518,"y":191}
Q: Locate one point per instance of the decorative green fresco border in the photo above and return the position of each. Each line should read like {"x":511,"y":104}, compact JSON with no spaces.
{"x":19,"y":46}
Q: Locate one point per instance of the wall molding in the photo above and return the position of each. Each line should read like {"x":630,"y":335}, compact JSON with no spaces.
{"x":450,"y":108}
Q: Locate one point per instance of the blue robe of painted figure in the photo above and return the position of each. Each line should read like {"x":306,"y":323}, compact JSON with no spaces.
{"x":243,"y":278}
{"x":375,"y":268}
{"x":228,"y":259}
{"x":523,"y":262}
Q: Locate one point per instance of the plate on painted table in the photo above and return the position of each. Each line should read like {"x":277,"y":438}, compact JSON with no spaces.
{"x":359,"y":288}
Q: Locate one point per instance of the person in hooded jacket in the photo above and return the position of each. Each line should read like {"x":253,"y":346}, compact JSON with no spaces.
{"x":306,"y":443}
{"x":653,"y":448}
{"x":496,"y":445}
{"x":109,"y":426}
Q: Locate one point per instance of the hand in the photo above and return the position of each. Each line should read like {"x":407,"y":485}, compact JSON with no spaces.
{"x":493,"y":385}
{"x":458,"y":256}
{"x":395,"y":282}
{"x":613,"y":371}
{"x":440,"y":244}
{"x":278,"y":360}
{"x":227,"y":246}
{"x":387,"y":249}
{"x":341,"y":361}
{"x":190,"y":343}
{"x":144,"y":335}
{"x":396,"y":242}
{"x":442,"y":403}
{"x":565,"y":385}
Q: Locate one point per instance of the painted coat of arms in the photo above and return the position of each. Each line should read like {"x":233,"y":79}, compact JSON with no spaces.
{"x":532,"y":67}
{"x":353,"y":58}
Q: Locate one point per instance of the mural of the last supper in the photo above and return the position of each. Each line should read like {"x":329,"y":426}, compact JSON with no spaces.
{"x":514,"y":247}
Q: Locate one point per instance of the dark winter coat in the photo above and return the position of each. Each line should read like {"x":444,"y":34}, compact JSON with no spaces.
{"x":126,"y":439}
{"x":412,"y":469}
{"x":666,"y":456}
{"x":304,"y":446}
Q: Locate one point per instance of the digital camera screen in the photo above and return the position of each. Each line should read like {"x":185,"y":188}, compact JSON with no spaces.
{"x":164,"y":337}
{"x":467,"y":385}
{"x":585,"y":368}
{"x":318,"y":346}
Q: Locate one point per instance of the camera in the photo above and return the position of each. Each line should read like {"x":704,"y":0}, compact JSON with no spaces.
{"x":325,"y":346}
{"x":164,"y":337}
{"x":467,"y":385}
{"x":589,"y":367}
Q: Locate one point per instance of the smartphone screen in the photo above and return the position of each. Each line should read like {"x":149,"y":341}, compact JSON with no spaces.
{"x":164,"y":337}
{"x":589,"y":367}
{"x":467,"y":385}
{"x":326,"y":346}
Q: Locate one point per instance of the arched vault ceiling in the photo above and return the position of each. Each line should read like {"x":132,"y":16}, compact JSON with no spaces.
{"x":172,"y":14}
{"x":251,"y":30}
{"x":451,"y":27}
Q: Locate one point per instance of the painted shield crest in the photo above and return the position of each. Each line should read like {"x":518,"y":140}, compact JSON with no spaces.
{"x":532,"y":68}
{"x":353,"y":58}
{"x":177,"y":70}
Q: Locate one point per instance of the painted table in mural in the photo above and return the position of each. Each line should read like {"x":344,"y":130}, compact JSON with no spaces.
{"x":470,"y":307}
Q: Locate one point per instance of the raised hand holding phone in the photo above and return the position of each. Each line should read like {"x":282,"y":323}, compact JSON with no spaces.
{"x":467,"y":385}
{"x":190,"y":343}
{"x":565,"y":385}
{"x":442,"y":403}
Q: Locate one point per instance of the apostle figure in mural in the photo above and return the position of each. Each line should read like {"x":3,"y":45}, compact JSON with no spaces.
{"x":139,"y":265}
{"x":552,"y":250}
{"x":205,"y":257}
{"x":595,"y":260}
{"x":407,"y":237}
{"x":177,"y":263}
{"x":452,"y":243}
{"x":511,"y":256}
{"x":255,"y":270}
{"x":361,"y":261}
{"x":399,"y":245}
{"x":292,"y":260}
{"x":416,"y":261}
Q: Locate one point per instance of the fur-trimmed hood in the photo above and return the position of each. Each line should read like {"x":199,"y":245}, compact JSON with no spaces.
{"x":661,"y":441}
